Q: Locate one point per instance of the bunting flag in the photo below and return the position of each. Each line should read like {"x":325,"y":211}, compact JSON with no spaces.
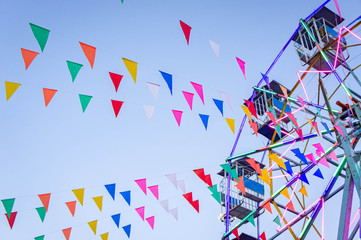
{"x":165,"y":205}
{"x":66,"y":233}
{"x":278,"y":131}
{"x":117,"y":105}
{"x":41,"y":35}
{"x":127,"y":196}
{"x":205,"y":178}
{"x":240,"y":185}
{"x":277,"y":160}
{"x":10,"y":88}
{"x":338,"y":128}
{"x":45,"y":199}
{"x":178,"y":116}
{"x":11,"y":219}
{"x":302,"y":102}
{"x":174,"y":213}
{"x":299,"y":132}
{"x":142,"y":183}
{"x":8,"y":205}
{"x":309,"y":122}
{"x":299,"y":155}
{"x":235,"y":233}
{"x":219,"y":105}
{"x":227,"y":99}
{"x":204,"y":119}
{"x":242,"y":66}
{"x":173,"y":179}
{"x":251,"y":219}
{"x":154,"y":190}
{"x":289,"y":168}
{"x":181,"y":185}
{"x":293,"y":119}
{"x":272,"y":117}
{"x":28,"y":56}
{"x":154,"y":89}
{"x":318,"y":173}
{"x":284,"y":192}
{"x":319,"y":149}
{"x":267,"y":206}
{"x":127,"y":229}
{"x":111,"y":190}
{"x":303,"y":191}
{"x":215,"y":194}
{"x":116,"y":219}
{"x":263,"y":236}
{"x":48,"y":95}
{"x":247,"y":112}
{"x":199,"y":90}
{"x":254,"y":165}
{"x":324,"y":162}
{"x":89,"y":52}
{"x":71,"y":206}
{"x":303,"y":178}
{"x":251,"y":108}
{"x":266,"y":79}
{"x":186,"y":30}
{"x":79,"y":194}
{"x":290,"y":206}
{"x":39,"y":237}
{"x":140,"y":211}
{"x":74,"y":69}
{"x":215,"y":47}
{"x":150,"y":221}
{"x":333,"y":156}
{"x":42,"y":212}
{"x":189,"y":98}
{"x":84,"y":101}
{"x":99,"y":202}
{"x":93,"y":226}
{"x":284,"y":91}
{"x":116,"y":79}
{"x":311,"y":158}
{"x":168,"y":78}
{"x":230,"y":123}
{"x":277,"y":220}
{"x":149,"y":110}
{"x":132,"y":68}
{"x":314,"y":124}
{"x":104,"y":236}
{"x":264,"y":176}
{"x":232,"y":172}
{"x":254,"y":127}
{"x":189,"y":198}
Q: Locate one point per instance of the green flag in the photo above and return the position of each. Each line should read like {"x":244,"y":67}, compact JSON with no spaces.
{"x":74,"y":69}
{"x":215,"y":193}
{"x":41,"y":212}
{"x":251,"y":220}
{"x":39,"y":238}
{"x":41,"y":35}
{"x":228,"y":169}
{"x":8,"y":205}
{"x":277,"y":220}
{"x":84,"y":101}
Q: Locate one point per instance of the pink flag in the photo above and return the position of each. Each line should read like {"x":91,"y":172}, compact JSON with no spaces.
{"x":178,"y":116}
{"x":142,"y":183}
{"x":299,"y":132}
{"x":199,"y":90}
{"x":189,"y":98}
{"x":150,"y":220}
{"x":332,"y":155}
{"x":338,"y":128}
{"x":140,"y":211}
{"x":186,"y":30}
{"x":154,"y":190}
{"x":319,"y":149}
{"x":242,"y":66}
{"x":338,"y":8}
{"x":311,"y":158}
{"x":301,"y":101}
{"x":314,"y":124}
{"x":324,"y":162}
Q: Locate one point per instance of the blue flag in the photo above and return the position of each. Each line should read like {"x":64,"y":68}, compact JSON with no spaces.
{"x":169,"y":80}
{"x":126,"y":196}
{"x":204,"y":119}
{"x":299,"y":155}
{"x":304,"y":178}
{"x":127,"y":229}
{"x":219,"y":104}
{"x":318,"y":173}
{"x":111,"y":189}
{"x":116,"y":219}
{"x":289,"y":169}
{"x":326,"y":127}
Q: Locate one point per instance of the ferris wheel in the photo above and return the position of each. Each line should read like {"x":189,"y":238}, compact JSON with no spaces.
{"x":312,"y":124}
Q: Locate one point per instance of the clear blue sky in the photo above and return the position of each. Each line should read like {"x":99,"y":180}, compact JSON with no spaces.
{"x":59,"y":148}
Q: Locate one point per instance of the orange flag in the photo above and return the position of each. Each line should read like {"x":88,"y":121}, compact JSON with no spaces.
{"x":267,"y":206}
{"x":66,"y":233}
{"x":48,"y":95}
{"x":28,"y":56}
{"x":89,"y":52}
{"x":45,"y":198}
{"x":240,"y":185}
{"x":71,"y":206}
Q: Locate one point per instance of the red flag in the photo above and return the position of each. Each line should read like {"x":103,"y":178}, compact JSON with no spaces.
{"x":251,"y":108}
{"x":263,"y":236}
{"x":200,"y":173}
{"x":188,"y":196}
{"x":117,"y":105}
{"x":195,"y":204}
{"x":186,"y":30}
{"x":11,"y":220}
{"x":235,"y":233}
{"x":116,"y":78}
{"x":208,"y":180}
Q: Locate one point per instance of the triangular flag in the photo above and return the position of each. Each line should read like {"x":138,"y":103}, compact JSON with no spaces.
{"x":99,"y":202}
{"x":314,"y":124}
{"x":71,"y":206}
{"x":302,"y":102}
{"x":266,"y":79}
{"x":126,"y":195}
{"x":199,"y":173}
{"x":116,"y":219}
{"x":272,"y":117}
{"x":289,"y":168}
{"x":251,"y":219}
{"x":251,"y":108}
{"x":240,"y":185}
{"x":254,"y":127}
{"x":140,"y":211}
{"x":84,"y":101}
{"x":227,"y":99}
{"x":66,"y":233}
{"x":48,"y":95}
{"x":174,"y":213}
{"x":188,"y":196}
{"x":278,"y":131}
{"x":178,"y":116}
{"x":303,"y":191}
{"x":74,"y":69}
{"x":132,"y":68}
{"x":242,"y":66}
{"x":111,"y":189}
{"x":318,"y":173}
{"x":168,"y":78}
{"x":116,"y":79}
{"x":235,"y":233}
{"x":284,"y":192}
{"x":299,"y":155}
{"x":104,"y":236}
{"x":293,"y":119}
{"x":45,"y":198}
{"x":93,"y":226}
{"x":311,"y":158}
{"x":290,"y":206}
{"x":299,"y":132}
{"x":215,"y":47}
{"x":8,"y":205}
{"x":89,"y":52}
{"x":154,"y":89}
{"x":150,"y":220}
{"x":284,"y":91}
{"x":204,"y":119}
{"x":326,"y":127}
{"x":142,"y":183}
{"x":186,"y":30}
{"x":230,"y":123}
{"x":215,"y":194}
{"x":149,"y":110}
{"x":232,"y":172}
{"x":277,"y":220}
{"x":117,"y":105}
{"x":199,"y":90}
{"x":277,"y":160}
{"x":219,"y":105}
{"x":42,"y":212}
{"x":319,"y":149}
{"x":195,"y":204}
{"x":338,"y":128}
{"x":39,"y":238}
{"x":247,"y":112}
{"x":173,"y":179}
{"x":41,"y":35}
{"x":79,"y":194}
{"x":189,"y":98}
{"x":208,"y":180}
{"x":324,"y":162}
{"x":254,"y":165}
{"x":165,"y":205}
{"x":28,"y":56}
{"x":181,"y":185}
{"x":264,"y":176}
{"x":333,"y":156}
{"x":267,"y":206}
{"x":263,"y":236}
{"x":338,"y":8}
{"x":10,"y":88}
{"x":11,"y":219}
{"x":127,"y":229}
{"x":154,"y":190}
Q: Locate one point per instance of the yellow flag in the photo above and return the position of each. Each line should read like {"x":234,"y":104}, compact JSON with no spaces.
{"x":132,"y":68}
{"x":230,"y":123}
{"x":99,"y":202}
{"x":277,"y":160}
{"x":284,"y":90}
{"x":79,"y":194}
{"x":247,"y":112}
{"x":265,"y":177}
{"x":104,"y":236}
{"x":285,"y":193}
{"x":303,"y":191}
{"x":310,"y":122}
{"x":93,"y":226}
{"x":10,"y":88}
